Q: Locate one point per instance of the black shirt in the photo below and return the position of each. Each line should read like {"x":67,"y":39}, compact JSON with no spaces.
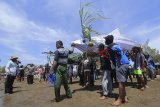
{"x":105,"y":61}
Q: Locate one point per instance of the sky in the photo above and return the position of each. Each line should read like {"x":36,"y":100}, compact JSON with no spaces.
{"x":29,"y":27}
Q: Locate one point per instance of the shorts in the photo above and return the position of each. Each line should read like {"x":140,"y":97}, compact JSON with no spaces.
{"x":121,"y":73}
{"x":138,"y":72}
{"x":87,"y":70}
{"x":144,"y":70}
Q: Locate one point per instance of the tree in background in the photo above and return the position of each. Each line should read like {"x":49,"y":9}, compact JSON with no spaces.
{"x":2,"y":69}
{"x":154,"y":54}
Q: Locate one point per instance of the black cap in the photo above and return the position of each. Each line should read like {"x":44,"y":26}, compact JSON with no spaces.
{"x":101,"y":45}
{"x":59,"y":42}
{"x":109,"y":39}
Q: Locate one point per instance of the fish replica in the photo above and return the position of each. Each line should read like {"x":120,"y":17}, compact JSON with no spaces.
{"x":126,"y":43}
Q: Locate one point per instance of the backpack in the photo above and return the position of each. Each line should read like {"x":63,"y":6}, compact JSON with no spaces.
{"x":118,"y":55}
{"x":111,"y":55}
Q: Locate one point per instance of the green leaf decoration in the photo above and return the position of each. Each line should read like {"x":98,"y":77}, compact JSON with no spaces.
{"x":87,"y":17}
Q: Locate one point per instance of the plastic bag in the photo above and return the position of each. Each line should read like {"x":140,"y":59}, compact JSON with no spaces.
{"x":51,"y":79}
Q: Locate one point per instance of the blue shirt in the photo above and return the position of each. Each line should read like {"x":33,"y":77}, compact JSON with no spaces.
{"x":121,"y":58}
{"x":151,"y":63}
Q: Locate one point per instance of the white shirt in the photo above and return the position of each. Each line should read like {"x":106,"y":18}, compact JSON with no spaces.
{"x":74,"y":68}
{"x":131,"y":63}
{"x":11,"y":68}
{"x":30,"y":70}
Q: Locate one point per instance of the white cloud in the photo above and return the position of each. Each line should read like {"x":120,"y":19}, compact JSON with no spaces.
{"x":13,"y":44}
{"x":19,"y":31}
{"x":145,"y":29}
{"x":148,"y":30}
{"x":31,"y":58}
{"x":10,"y":19}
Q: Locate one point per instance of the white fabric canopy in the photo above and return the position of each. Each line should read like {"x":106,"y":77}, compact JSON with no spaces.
{"x":124,"y":42}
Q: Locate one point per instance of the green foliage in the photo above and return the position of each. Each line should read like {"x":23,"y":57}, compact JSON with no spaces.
{"x":87,"y":18}
{"x":2,"y":69}
{"x":156,"y":58}
{"x":152,"y":52}
{"x":75,"y":57}
{"x":155,"y":54}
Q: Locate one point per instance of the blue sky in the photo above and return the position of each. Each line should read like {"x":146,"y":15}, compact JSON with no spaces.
{"x":28,"y":27}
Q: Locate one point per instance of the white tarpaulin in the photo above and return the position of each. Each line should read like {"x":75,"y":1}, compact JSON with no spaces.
{"x":124,"y":42}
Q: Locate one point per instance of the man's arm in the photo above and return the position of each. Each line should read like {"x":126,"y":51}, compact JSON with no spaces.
{"x":82,"y":70}
{"x":7,"y":67}
{"x":18,"y":70}
{"x":142,"y":60}
{"x":53,"y":66}
{"x":71,"y":50}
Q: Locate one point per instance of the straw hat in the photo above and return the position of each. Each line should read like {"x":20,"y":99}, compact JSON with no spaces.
{"x":14,"y":57}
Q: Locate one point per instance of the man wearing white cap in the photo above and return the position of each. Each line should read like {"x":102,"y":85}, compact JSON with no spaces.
{"x":11,"y":71}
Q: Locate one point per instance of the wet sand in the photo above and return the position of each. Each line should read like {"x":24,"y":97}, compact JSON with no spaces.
{"x":40,"y":95}
{"x":1,"y":98}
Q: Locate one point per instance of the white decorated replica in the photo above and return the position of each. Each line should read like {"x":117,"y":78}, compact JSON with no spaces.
{"x":124,"y":42}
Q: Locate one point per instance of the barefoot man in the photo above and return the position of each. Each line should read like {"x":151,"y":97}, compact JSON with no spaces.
{"x":122,"y":66}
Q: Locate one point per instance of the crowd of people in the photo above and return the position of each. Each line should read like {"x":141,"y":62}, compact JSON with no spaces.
{"x":116,"y":66}
{"x":14,"y":70}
